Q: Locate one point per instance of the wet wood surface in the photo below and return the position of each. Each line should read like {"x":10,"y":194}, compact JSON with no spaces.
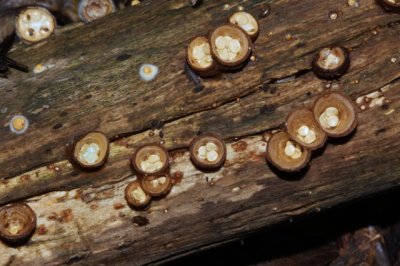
{"x":92,"y":84}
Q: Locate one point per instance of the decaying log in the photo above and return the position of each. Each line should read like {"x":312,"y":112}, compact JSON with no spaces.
{"x":92,"y":84}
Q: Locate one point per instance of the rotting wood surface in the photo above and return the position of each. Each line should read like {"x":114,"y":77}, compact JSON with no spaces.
{"x":93,"y":84}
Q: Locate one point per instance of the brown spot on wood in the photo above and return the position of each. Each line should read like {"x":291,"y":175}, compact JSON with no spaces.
{"x":239,"y":146}
{"x":66,"y":216}
{"x":25,"y":178}
{"x":140,"y":221}
{"x":123,"y":57}
{"x":57,"y":126}
{"x":266,"y":110}
{"x":93,"y":206}
{"x":177,"y":177}
{"x":118,"y":205}
{"x":41,"y":230}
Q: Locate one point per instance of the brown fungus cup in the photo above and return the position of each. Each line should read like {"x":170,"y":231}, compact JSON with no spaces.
{"x":91,"y":150}
{"x":390,"y":5}
{"x":198,"y":56}
{"x":90,"y":10}
{"x":156,"y":185}
{"x":150,"y":159}
{"x":331,"y":62}
{"x":17,"y":223}
{"x":335,"y":114}
{"x":305,"y":130}
{"x":230,"y":46}
{"x":207,"y":151}
{"x":246,"y":22}
{"x":286,"y":154}
{"x":136,"y":196}
{"x":34,"y":24}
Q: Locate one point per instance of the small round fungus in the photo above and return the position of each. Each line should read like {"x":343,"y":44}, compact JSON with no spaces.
{"x":90,"y":10}
{"x":136,"y":196}
{"x":390,"y":5}
{"x":150,"y":159}
{"x":335,"y":114}
{"x":304,"y":129}
{"x":148,"y":72}
{"x":286,"y":154}
{"x":17,"y":223}
{"x":246,"y":22}
{"x":19,"y":124}
{"x":156,"y":185}
{"x":331,"y":62}
{"x":91,"y":151}
{"x":230,"y":46}
{"x":198,"y":56}
{"x":34,"y":24}
{"x":208,"y":151}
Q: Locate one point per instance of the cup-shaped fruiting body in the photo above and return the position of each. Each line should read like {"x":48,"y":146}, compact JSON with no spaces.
{"x":246,"y":22}
{"x":148,"y":72}
{"x":136,"y":196}
{"x":17,"y":223}
{"x":230,"y":46}
{"x":390,"y":5}
{"x":198,"y":56}
{"x":89,"y":10}
{"x":331,"y":62}
{"x":34,"y":24}
{"x":150,"y":159}
{"x":19,"y":124}
{"x":91,"y":151}
{"x":156,"y":185}
{"x":208,"y":151}
{"x":305,"y":130}
{"x":286,"y":154}
{"x":336,"y":114}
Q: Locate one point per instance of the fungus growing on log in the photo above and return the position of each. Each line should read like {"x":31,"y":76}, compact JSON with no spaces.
{"x":91,"y":151}
{"x":150,"y":159}
{"x":198,"y":56}
{"x":90,"y":10}
{"x":390,"y":5}
{"x":17,"y":223}
{"x":286,"y":154}
{"x":136,"y":196}
{"x":19,"y":124}
{"x":331,"y":62}
{"x":305,"y":130}
{"x":148,"y":72}
{"x":246,"y":22}
{"x":34,"y":24}
{"x":208,"y":151}
{"x":156,"y":185}
{"x":335,"y":114}
{"x":230,"y":46}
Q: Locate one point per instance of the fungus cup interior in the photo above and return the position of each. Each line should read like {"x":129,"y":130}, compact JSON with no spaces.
{"x":34,"y":24}
{"x":135,"y":195}
{"x":156,"y":185}
{"x":331,"y":58}
{"x":150,"y":159}
{"x":208,"y":151}
{"x":230,"y":40}
{"x":94,"y":9}
{"x":276,"y":153}
{"x":198,"y":54}
{"x":17,"y":222}
{"x":304,"y":129}
{"x":347,"y":116}
{"x":91,"y":150}
{"x":246,"y":22}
